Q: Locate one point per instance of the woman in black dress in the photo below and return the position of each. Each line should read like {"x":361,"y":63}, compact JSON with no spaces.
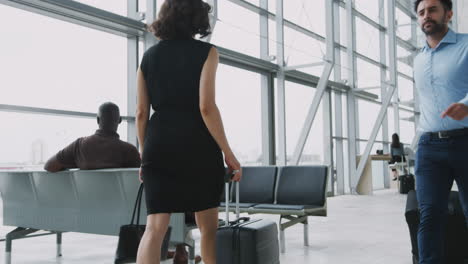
{"x":397,"y":153}
{"x":183,"y":143}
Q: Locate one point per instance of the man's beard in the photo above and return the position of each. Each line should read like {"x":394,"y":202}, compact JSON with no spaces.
{"x":436,"y":28}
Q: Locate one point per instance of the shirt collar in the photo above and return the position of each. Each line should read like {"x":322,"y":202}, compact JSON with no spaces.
{"x":449,"y":38}
{"x":107,"y":133}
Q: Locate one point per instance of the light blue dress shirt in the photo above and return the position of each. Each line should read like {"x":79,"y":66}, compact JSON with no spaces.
{"x":441,"y":76}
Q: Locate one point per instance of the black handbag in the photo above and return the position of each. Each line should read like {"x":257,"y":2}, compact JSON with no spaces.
{"x":130,"y":236}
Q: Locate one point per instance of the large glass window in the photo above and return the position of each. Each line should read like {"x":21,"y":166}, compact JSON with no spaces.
{"x":391,"y":121}
{"x":406,"y":127}
{"x":31,"y":139}
{"x":114,"y":6}
{"x":404,"y":60}
{"x":64,"y":66}
{"x":60,"y":65}
{"x":238,"y":96}
{"x":405,"y":89}
{"x":403,"y":24}
{"x":367,"y":39}
{"x":368,"y":75}
{"x":298,"y":101}
{"x":307,"y":14}
{"x":301,"y":49}
{"x":241,"y":35}
{"x":369,"y":8}
{"x":368,"y":113}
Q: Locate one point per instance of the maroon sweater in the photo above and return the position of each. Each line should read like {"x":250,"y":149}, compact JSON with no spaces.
{"x":102,"y":150}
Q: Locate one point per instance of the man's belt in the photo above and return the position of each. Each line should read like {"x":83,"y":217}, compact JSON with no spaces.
{"x":449,"y":133}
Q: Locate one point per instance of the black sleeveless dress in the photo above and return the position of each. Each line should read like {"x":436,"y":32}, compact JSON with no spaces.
{"x":182,"y":164}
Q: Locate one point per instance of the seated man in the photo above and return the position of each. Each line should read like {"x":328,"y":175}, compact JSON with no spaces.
{"x":102,"y":150}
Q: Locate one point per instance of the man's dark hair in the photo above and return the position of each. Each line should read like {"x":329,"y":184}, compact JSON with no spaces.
{"x":448,"y":5}
{"x":109,"y":116}
{"x":181,"y":19}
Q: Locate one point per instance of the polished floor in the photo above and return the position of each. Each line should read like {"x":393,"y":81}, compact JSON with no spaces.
{"x":358,"y":230}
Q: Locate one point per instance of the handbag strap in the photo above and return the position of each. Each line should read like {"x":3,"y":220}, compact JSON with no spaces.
{"x":137,"y":205}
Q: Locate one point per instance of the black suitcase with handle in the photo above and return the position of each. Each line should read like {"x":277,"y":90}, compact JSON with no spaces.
{"x":456,"y":232}
{"x":245,"y":240}
{"x":406,"y":183}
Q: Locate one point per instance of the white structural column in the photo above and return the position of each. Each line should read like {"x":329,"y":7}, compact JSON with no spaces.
{"x":213,"y":17}
{"x":319,"y":93}
{"x":383,"y":89}
{"x":351,"y":99}
{"x":338,"y":108}
{"x":150,"y":15}
{"x":267,"y":92}
{"x":327,"y":97}
{"x":393,"y":63}
{"x":132,"y":66}
{"x":280,"y":85}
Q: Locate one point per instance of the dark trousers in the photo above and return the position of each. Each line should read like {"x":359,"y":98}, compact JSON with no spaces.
{"x":438,"y":163}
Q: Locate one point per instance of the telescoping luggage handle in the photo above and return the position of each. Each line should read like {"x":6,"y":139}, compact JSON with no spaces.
{"x":227,"y":180}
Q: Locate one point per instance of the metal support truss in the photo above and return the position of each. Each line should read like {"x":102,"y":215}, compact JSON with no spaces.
{"x":321,"y":86}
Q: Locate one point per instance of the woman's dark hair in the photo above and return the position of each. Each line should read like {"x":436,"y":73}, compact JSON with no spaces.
{"x":448,"y":5}
{"x":180,"y":19}
{"x":395,"y":141}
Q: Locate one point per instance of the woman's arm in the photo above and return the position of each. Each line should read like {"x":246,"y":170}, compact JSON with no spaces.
{"x":143,"y":109}
{"x":210,"y":112}
{"x":208,"y":107}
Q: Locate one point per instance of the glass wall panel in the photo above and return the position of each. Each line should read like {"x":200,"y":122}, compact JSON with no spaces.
{"x":403,"y":24}
{"x":241,"y":35}
{"x":115,"y":6}
{"x":368,"y":113}
{"x":406,"y":127}
{"x":36,"y":137}
{"x":405,"y":89}
{"x":404,"y":57}
{"x":367,"y":39}
{"x":298,"y":101}
{"x":238,"y":96}
{"x":62,"y":65}
{"x":370,"y":8}
{"x":307,"y":14}
{"x":368,"y":75}
{"x":391,"y":122}
{"x":300,"y":49}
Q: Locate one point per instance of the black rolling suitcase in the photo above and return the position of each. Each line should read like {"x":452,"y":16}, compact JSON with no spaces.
{"x":406,"y":183}
{"x":246,"y":241}
{"x":456,"y":233}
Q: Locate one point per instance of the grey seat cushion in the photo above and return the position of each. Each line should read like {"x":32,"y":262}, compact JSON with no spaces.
{"x":285,"y":207}
{"x":257,"y":185}
{"x":241,"y":205}
{"x":302,"y":185}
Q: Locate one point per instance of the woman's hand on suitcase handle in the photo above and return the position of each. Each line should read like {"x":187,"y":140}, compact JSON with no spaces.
{"x":233,"y":166}
{"x":140,"y":175}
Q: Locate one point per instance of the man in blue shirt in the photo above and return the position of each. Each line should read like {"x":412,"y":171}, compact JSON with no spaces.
{"x":441,"y":77}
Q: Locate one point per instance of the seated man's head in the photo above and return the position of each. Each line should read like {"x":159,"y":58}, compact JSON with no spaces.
{"x":109,"y":117}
